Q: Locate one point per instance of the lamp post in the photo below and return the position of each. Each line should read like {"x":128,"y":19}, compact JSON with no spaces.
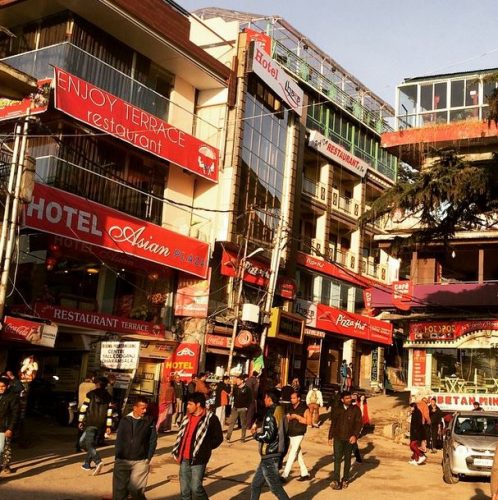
{"x":240,"y":278}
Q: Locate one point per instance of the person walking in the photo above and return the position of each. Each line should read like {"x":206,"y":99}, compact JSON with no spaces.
{"x":436,"y":416}
{"x":199,"y":434}
{"x":285,"y":395}
{"x":84,"y":388}
{"x":242,"y":398}
{"x":314,"y":400}
{"x":9,"y":418}
{"x":299,"y":418}
{"x":136,"y":441}
{"x":271,"y":441}
{"x":95,"y":418}
{"x":191,"y":385}
{"x":363,"y":405}
{"x":344,"y":431}
{"x":253,"y":383}
{"x":167,"y":398}
{"x":343,"y":371}
{"x":349,"y":377}
{"x":222,"y":396}
{"x":426,"y":421}
{"x":179,"y":388}
{"x":417,"y":435}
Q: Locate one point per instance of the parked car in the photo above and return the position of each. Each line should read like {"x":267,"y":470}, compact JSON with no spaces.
{"x":469,"y":445}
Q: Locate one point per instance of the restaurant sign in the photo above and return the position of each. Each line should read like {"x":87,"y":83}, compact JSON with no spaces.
{"x":452,"y":402}
{"x":107,"y":113}
{"x":449,"y":330}
{"x":184,"y":361}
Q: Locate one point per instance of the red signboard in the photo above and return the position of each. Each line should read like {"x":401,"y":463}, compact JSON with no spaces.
{"x":448,"y":330}
{"x":34,"y":104}
{"x":260,"y":38}
{"x":192,"y":297}
{"x":184,"y":362}
{"x":108,"y":113}
{"x":59,"y":212}
{"x":418,"y":373}
{"x":257,"y":273}
{"x":99,"y":321}
{"x":218,"y":340}
{"x":402,"y":294}
{"x":33,"y":332}
{"x":353,"y":325}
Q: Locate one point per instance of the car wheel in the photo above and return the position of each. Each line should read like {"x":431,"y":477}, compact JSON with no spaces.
{"x":448,"y":476}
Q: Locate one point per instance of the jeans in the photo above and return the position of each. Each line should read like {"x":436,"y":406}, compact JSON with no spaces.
{"x":129,"y":477}
{"x":237,"y":412}
{"x":91,"y":438}
{"x":342,"y":449}
{"x":178,"y":416}
{"x":268,"y":471}
{"x":295,"y":451}
{"x":191,"y":477}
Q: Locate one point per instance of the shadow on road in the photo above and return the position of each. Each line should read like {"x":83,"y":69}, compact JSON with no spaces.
{"x":480,"y":495}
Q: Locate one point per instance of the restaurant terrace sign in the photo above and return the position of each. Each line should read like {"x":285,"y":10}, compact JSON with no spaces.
{"x":64,"y":214}
{"x":107,"y":113}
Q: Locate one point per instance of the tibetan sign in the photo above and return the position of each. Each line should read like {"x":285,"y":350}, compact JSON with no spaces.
{"x":184,"y":361}
{"x":452,"y":402}
{"x":118,"y":355}
{"x":337,"y":153}
{"x":353,"y":325}
{"x":99,"y":321}
{"x":274,"y":75}
{"x":419,"y":365}
{"x":192,"y":297}
{"x":450,"y":330}
{"x":25,"y":330}
{"x":106,"y":112}
{"x":402,"y":294}
{"x":64,"y":214}
{"x":34,"y":104}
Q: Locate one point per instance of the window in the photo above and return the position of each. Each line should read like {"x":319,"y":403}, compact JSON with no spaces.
{"x":457,"y":93}
{"x":407,"y":99}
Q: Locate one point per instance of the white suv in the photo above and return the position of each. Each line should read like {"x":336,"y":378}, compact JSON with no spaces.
{"x":469,"y":445}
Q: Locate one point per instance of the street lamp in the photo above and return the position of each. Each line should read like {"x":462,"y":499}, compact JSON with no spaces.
{"x":240,"y":277}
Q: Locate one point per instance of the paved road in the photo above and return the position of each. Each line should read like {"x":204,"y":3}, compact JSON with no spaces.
{"x":48,"y":470}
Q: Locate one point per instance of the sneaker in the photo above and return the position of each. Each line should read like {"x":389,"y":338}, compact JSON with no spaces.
{"x":336,"y":485}
{"x":412,"y":462}
{"x":86,"y":467}
{"x":344,"y":484}
{"x":305,"y":478}
{"x":98,"y":468}
{"x":421,"y":460}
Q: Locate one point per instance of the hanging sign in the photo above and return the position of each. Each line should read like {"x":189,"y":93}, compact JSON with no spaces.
{"x":118,"y":355}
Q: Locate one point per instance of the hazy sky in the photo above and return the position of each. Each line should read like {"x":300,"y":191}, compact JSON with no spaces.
{"x":382,"y":42}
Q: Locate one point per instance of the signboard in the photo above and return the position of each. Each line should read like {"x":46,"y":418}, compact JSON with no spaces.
{"x":449,"y":330}
{"x":452,"y":402}
{"x":32,"y":332}
{"x":98,"y":321}
{"x":118,"y":355}
{"x":122,"y":379}
{"x":286,"y":326}
{"x":338,"y":154}
{"x":218,"y":341}
{"x":64,"y":214}
{"x":374,"y":368}
{"x":418,"y":370}
{"x":306,"y":309}
{"x":402,"y":294}
{"x":156,"y":350}
{"x":34,"y":104}
{"x":192,"y":296}
{"x":274,"y":75}
{"x":260,"y":38}
{"x":184,"y":362}
{"x":353,"y":325}
{"x":107,"y":113}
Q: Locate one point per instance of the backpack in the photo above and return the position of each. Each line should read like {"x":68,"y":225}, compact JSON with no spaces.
{"x":344,"y":370}
{"x":98,"y":408}
{"x":314,"y":397}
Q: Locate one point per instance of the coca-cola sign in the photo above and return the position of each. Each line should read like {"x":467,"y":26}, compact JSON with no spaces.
{"x":64,"y":214}
{"x":32,"y":332}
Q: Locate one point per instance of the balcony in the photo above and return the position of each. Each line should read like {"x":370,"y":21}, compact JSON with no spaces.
{"x":315,"y":189}
{"x":349,"y":206}
{"x":120,"y":195}
{"x":372,"y":269}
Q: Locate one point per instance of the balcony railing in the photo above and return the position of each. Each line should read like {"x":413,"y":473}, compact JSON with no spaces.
{"x":315,"y":189}
{"x":349,"y":206}
{"x":373,"y":269}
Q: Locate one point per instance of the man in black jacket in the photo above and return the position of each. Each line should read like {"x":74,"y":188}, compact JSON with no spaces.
{"x":242,"y":399}
{"x":272,"y":446}
{"x":136,"y":442}
{"x":9,"y":416}
{"x":200,"y":433}
{"x":345,"y":429}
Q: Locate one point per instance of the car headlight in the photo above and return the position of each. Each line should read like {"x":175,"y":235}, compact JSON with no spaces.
{"x":460,"y":449}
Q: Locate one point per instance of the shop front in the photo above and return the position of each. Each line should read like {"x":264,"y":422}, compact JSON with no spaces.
{"x":455,"y":361}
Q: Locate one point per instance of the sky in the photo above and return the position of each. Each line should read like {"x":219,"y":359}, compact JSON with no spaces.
{"x":382,"y":42}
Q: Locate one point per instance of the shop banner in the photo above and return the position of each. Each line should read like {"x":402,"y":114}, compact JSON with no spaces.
{"x":464,"y":402}
{"x":402,"y":294}
{"x":34,"y":104}
{"x":192,"y":296}
{"x":419,"y":366}
{"x":99,"y":321}
{"x":274,"y":75}
{"x":106,"y":112}
{"x":184,"y":361}
{"x":32,"y":332}
{"x":156,"y":350}
{"x":120,"y":355}
{"x":64,"y":214}
{"x":353,"y":325}
{"x":257,"y":273}
{"x":340,"y":155}
{"x":449,"y":330}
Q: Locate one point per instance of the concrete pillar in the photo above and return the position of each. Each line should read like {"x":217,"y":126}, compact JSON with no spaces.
{"x":349,"y":350}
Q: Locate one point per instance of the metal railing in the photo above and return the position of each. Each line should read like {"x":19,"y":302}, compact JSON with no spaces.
{"x":344,"y":204}
{"x":373,"y":269}
{"x":315,"y":189}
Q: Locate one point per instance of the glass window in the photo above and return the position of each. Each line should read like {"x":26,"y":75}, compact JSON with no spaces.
{"x":488,"y":88}
{"x":477,"y":425}
{"x":440,"y":95}
{"x":407,"y":99}
{"x":457,"y":89}
{"x":472,"y":93}
{"x":426,"y":103}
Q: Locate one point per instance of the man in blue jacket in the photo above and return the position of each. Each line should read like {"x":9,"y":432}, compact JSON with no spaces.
{"x":136,"y":442}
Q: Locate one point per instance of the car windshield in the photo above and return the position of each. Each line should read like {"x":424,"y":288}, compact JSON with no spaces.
{"x":477,"y":425}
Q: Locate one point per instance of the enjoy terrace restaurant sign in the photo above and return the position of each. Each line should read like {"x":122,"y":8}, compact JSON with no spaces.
{"x":64,"y":214}
{"x":108,"y":113}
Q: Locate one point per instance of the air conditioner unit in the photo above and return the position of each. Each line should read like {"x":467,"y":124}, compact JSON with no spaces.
{"x":250,"y":312}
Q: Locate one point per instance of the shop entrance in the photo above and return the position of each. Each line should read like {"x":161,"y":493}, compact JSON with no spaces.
{"x":331,"y":361}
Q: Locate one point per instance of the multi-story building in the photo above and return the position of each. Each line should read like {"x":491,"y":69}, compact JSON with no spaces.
{"x":303,"y":161}
{"x":115,"y":243}
{"x":447,"y":304}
